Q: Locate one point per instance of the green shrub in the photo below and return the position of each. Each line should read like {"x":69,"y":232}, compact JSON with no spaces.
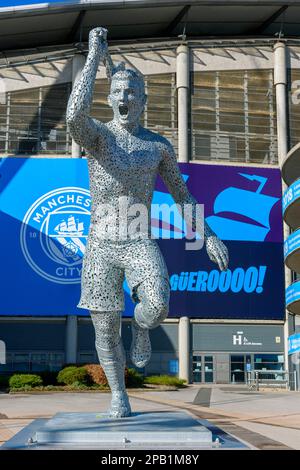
{"x":50,"y":387}
{"x":134,"y":378}
{"x":25,"y":380}
{"x":99,"y":387}
{"x":25,"y":388}
{"x":164,"y":380}
{"x":72,"y":374}
{"x":79,"y":386}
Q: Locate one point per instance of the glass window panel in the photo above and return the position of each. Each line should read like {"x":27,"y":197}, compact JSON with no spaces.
{"x":197,"y":368}
{"x":236,"y":358}
{"x":37,"y":357}
{"x":161,"y":107}
{"x":53,"y":129}
{"x":197,"y":377}
{"x":38,"y":116}
{"x":237,"y":376}
{"x":208,"y":359}
{"x":21,"y":362}
{"x":21,"y":357}
{"x":268,"y":358}
{"x":197,"y":358}
{"x":209,"y":376}
{"x":37,"y":120}
{"x":237,"y":368}
{"x":234,"y":111}
{"x":86,"y":358}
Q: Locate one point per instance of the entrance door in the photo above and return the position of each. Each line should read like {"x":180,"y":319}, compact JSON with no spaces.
{"x":203,"y":368}
{"x":197,"y":368}
{"x":208,"y":369}
{"x":237,"y":368}
{"x":239,"y":365}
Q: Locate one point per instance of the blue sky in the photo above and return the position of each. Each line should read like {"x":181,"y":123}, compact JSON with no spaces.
{"x":14,"y":3}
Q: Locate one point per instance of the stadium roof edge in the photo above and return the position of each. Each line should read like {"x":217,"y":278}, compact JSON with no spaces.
{"x":61,"y":4}
{"x":69,"y":22}
{"x":77,"y":5}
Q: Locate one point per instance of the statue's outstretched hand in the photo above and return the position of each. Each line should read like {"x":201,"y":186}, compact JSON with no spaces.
{"x":98,"y":41}
{"x":217,"y":252}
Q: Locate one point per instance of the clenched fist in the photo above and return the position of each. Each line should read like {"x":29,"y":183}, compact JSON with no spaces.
{"x":98,"y":41}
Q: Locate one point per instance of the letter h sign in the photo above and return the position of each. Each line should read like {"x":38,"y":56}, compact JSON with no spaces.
{"x":237,"y":339}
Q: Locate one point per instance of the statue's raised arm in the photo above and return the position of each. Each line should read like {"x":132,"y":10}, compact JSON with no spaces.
{"x":86,"y":131}
{"x":170,"y":173}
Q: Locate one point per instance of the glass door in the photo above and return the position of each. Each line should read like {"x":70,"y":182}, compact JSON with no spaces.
{"x":197,"y":369}
{"x":237,"y":368}
{"x":208,"y":369}
{"x":203,"y":368}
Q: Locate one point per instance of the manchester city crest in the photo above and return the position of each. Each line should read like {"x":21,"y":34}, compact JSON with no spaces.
{"x":54,"y":234}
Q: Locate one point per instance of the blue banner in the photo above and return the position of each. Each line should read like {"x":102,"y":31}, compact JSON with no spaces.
{"x":45,"y":214}
{"x":292,"y":294}
{"x":20,"y":3}
{"x":292,"y":243}
{"x":291,"y":194}
{"x":45,"y":4}
{"x":294,"y":343}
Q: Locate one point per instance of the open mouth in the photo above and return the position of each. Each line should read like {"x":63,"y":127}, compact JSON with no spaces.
{"x":123,"y":110}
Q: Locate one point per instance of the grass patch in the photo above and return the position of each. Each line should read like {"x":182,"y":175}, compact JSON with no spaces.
{"x":165,"y":380}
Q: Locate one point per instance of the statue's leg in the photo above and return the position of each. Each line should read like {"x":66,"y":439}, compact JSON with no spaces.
{"x":112,"y":358}
{"x":152,"y":308}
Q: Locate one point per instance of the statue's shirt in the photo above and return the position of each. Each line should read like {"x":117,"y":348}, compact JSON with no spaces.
{"x":122,"y":172}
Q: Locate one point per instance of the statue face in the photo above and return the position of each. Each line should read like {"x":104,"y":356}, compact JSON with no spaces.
{"x":127,"y":99}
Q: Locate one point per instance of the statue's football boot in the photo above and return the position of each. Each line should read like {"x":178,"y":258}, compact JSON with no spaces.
{"x":120,"y":406}
{"x":140,"y":351}
{"x":113,"y":363}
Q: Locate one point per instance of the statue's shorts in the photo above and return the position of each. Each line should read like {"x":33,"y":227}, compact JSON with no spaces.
{"x":106,"y":264}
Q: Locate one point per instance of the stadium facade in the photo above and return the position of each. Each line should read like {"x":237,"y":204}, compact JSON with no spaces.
{"x":223,"y":85}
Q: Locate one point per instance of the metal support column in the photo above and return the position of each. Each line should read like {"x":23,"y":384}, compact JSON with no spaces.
{"x":280,"y":83}
{"x":184,"y":348}
{"x":71,"y":339}
{"x":183,"y":85}
{"x":72,"y":325}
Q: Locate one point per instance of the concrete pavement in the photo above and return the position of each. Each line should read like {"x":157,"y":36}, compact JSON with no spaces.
{"x":263,"y":419}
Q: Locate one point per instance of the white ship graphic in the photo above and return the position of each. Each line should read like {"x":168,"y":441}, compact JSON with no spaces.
{"x":66,"y":233}
{"x":70,"y":228}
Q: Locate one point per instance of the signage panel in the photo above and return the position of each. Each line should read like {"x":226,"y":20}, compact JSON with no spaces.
{"x":45,"y":213}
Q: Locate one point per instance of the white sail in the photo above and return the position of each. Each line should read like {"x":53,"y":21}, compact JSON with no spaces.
{"x":62,"y":227}
{"x":80,"y":227}
{"x":71,"y":224}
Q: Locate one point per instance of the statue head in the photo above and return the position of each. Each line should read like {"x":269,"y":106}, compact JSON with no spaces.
{"x":127,"y":96}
